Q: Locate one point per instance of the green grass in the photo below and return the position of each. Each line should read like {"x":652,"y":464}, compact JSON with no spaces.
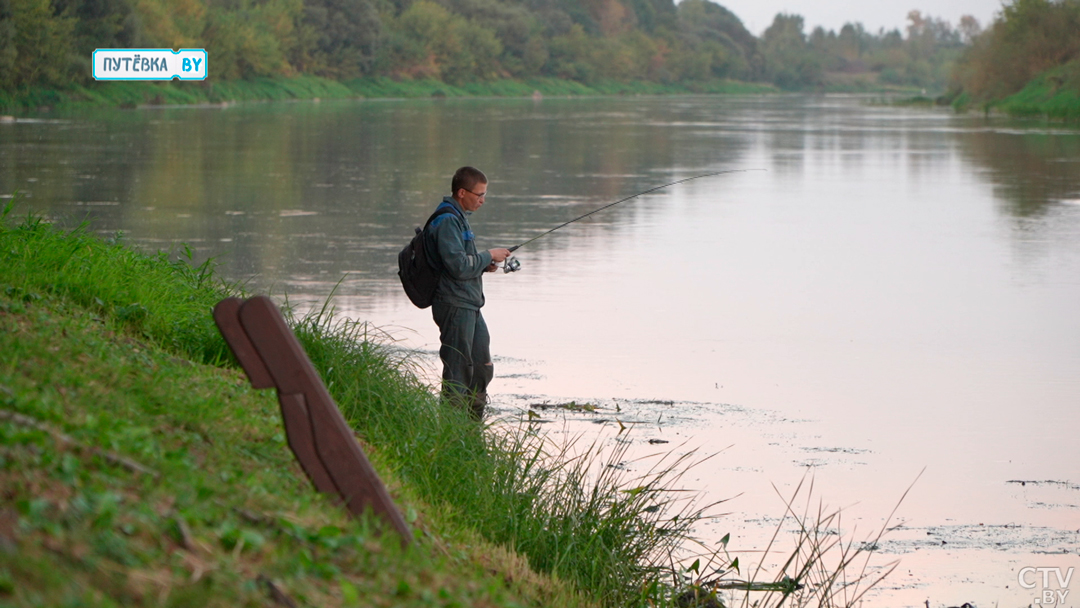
{"x":225,"y":507}
{"x":133,"y":94}
{"x":509,"y":485}
{"x":386,"y":87}
{"x":149,"y":296}
{"x":1054,"y":94}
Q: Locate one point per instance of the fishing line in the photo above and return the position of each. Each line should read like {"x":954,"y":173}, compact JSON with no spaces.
{"x":513,"y":264}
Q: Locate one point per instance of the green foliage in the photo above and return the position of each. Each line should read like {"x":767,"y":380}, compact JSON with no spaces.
{"x":161,"y":300}
{"x":338,"y":38}
{"x":35,"y":44}
{"x":1028,"y":38}
{"x":132,"y":477}
{"x":98,"y":24}
{"x":252,"y":39}
{"x":787,"y":62}
{"x":1053,"y":94}
{"x":465,"y":42}
{"x":428,"y":41}
{"x":715,"y":44}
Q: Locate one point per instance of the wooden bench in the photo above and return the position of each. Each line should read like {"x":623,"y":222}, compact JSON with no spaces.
{"x":317,"y":433}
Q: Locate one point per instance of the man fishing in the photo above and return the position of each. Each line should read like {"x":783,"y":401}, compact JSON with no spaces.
{"x":459,"y":296}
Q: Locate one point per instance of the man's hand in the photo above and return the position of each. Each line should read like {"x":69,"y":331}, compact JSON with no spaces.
{"x":498,"y":255}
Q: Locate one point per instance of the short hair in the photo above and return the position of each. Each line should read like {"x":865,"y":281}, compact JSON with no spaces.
{"x":467,"y":178}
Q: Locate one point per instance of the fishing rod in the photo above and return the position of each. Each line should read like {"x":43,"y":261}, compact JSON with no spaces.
{"x":512,"y":264}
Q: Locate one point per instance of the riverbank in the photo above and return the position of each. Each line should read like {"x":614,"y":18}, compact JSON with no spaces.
{"x":1053,"y":95}
{"x":140,"y":468}
{"x":134,"y":94}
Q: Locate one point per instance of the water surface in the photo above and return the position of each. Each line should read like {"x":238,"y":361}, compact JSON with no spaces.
{"x":891,"y":290}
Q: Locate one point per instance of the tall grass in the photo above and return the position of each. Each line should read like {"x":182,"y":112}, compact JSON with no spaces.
{"x":162,"y":300}
{"x":574,"y":516}
{"x":825,"y":566}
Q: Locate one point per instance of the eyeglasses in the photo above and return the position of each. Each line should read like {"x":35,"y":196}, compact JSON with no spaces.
{"x":476,"y":194}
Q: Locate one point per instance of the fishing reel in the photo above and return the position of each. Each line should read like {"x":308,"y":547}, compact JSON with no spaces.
{"x":511,"y":265}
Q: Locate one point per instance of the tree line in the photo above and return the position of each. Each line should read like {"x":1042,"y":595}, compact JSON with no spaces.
{"x":1028,"y":38}
{"x":50,"y":42}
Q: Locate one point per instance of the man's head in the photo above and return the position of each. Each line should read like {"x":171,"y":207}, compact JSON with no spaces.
{"x":469,"y":187}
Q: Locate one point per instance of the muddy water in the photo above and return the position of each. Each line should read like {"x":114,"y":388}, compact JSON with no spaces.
{"x":891,"y":292}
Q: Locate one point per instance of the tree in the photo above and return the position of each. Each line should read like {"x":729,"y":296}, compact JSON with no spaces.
{"x":430,"y":41}
{"x":1029,"y":37}
{"x":969,"y":29}
{"x":38,"y":44}
{"x":343,"y":37}
{"x":715,"y":43}
{"x":787,"y":60}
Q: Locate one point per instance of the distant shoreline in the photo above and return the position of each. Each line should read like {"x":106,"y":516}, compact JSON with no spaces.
{"x":134,"y":94}
{"x":130,"y":95}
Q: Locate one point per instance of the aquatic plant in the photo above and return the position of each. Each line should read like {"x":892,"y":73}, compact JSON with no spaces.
{"x":826,"y":566}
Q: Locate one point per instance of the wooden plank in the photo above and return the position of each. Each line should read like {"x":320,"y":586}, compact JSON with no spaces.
{"x":301,"y":440}
{"x":318,"y":435}
{"x":227,"y":318}
{"x":294,"y":413}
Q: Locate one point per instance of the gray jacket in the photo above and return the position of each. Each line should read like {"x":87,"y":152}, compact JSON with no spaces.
{"x":461,"y":283}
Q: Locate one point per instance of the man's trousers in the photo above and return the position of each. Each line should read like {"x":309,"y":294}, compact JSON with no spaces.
{"x":466,"y":356}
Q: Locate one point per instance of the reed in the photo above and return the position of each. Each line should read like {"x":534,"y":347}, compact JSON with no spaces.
{"x":825,"y":566}
{"x":575,"y":515}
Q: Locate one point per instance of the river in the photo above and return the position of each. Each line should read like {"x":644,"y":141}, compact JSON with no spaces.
{"x":885,"y":294}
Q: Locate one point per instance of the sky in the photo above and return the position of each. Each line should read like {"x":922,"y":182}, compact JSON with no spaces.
{"x":756,"y":15}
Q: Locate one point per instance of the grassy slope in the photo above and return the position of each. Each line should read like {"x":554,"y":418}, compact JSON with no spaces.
{"x":1053,"y":94}
{"x":81,"y":530}
{"x":130,"y":94}
{"x":227,"y":505}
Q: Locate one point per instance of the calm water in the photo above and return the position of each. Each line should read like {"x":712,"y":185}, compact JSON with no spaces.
{"x":890,"y":290}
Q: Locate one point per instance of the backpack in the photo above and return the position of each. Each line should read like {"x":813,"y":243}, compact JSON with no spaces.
{"x":419,"y":271}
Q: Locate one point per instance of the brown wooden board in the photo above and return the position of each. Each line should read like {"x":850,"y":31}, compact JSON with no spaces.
{"x":227,"y":317}
{"x":317,"y":433}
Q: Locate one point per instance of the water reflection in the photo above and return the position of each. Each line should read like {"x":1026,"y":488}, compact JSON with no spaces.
{"x":1031,"y":171}
{"x":299,"y":190}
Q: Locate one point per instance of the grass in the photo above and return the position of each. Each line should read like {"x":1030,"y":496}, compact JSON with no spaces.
{"x":133,"y":94}
{"x":223,"y":517}
{"x":138,"y":467}
{"x":825,"y":567}
{"x":149,"y":296}
{"x":1054,"y":94}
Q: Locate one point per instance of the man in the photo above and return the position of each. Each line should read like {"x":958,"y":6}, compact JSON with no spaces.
{"x":465,"y":351}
